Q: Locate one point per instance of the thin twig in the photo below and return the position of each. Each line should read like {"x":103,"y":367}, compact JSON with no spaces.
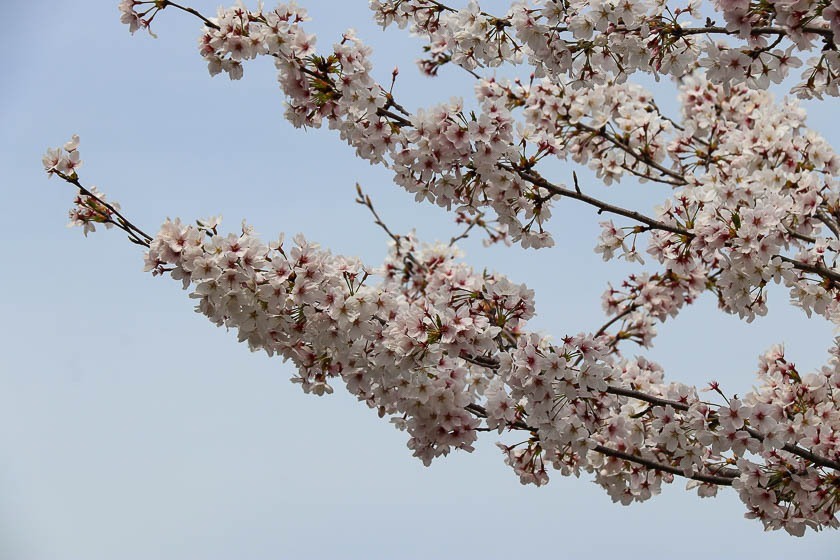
{"x":625,"y":312}
{"x":192,"y":11}
{"x":129,"y":227}
{"x":466,"y":233}
{"x":365,"y":201}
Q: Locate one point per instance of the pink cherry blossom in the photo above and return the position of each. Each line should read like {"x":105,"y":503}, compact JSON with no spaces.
{"x":446,"y":352}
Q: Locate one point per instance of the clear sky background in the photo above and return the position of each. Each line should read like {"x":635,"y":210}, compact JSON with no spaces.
{"x":132,"y":428}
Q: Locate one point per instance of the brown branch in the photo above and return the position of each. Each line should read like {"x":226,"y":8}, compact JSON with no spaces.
{"x":829,"y":223}
{"x":537,"y":180}
{"x":677,"y":405}
{"x":399,"y":120}
{"x":624,"y":146}
{"x":800,"y":236}
{"x":790,"y":448}
{"x":642,"y":175}
{"x":799,"y":451}
{"x":192,"y":11}
{"x":481,"y":412}
{"x":679,"y":31}
{"x":725,"y":477}
{"x":656,"y":401}
{"x":124,"y":223}
{"x":441,"y":6}
{"x":483,"y":361}
{"x":814,"y":268}
{"x":625,"y":312}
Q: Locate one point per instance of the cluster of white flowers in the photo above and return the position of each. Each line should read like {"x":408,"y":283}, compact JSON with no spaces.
{"x":586,"y":40}
{"x":785,"y":409}
{"x":621,"y":421}
{"x":761,"y":184}
{"x":89,"y":208}
{"x":440,"y":154}
{"x":64,"y":160}
{"x":615,"y":128}
{"x":438,"y":348}
{"x":473,"y":161}
{"x":399,"y":346}
{"x":444,"y":351}
{"x":435,"y":342}
{"x":592,"y":41}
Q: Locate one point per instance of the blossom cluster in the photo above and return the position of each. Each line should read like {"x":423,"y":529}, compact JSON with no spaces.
{"x":445,"y":352}
{"x":479,"y":160}
{"x":432,"y":152}
{"x":436,"y":346}
{"x":89,"y":207}
{"x":471,"y":160}
{"x":397,"y":346}
{"x":592,"y":41}
{"x":64,"y":160}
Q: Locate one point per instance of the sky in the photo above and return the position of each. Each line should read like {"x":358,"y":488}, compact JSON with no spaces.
{"x":132,"y":428}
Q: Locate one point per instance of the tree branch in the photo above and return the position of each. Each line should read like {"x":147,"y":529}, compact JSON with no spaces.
{"x":815,"y":268}
{"x":679,"y":180}
{"x":124,"y":223}
{"x":723,"y":479}
{"x":679,"y":31}
{"x":625,"y":312}
{"x":537,"y":180}
{"x":192,"y":11}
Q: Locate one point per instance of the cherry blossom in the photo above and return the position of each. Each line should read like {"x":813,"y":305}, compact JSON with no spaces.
{"x":446,"y":352}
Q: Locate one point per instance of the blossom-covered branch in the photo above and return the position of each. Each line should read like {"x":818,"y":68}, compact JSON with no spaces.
{"x":591,"y":41}
{"x":450,"y":157}
{"x":445,"y":352}
{"x":434,"y":346}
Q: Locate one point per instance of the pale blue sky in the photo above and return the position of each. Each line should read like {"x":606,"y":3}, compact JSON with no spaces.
{"x":132,"y":428}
